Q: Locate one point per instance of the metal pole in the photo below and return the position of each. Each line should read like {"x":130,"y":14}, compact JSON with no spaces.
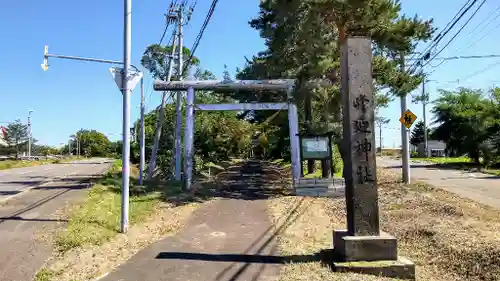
{"x":161,"y":117}
{"x":126,"y":114}
{"x":189,"y":135}
{"x":405,"y":147}
{"x":380,"y":137}
{"x":424,"y":103}
{"x":89,"y":59}
{"x":178,"y":117}
{"x":29,"y":134}
{"x":142,"y":139}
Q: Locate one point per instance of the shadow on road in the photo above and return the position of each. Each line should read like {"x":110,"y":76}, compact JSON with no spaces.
{"x":17,"y":218}
{"x":33,"y":206}
{"x":9,"y":192}
{"x":249,"y":180}
{"x":240,"y":258}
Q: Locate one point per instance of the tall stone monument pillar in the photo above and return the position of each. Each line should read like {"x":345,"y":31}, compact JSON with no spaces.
{"x":363,"y":240}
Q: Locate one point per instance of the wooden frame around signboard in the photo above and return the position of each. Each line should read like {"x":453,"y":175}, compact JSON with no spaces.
{"x":329,"y":135}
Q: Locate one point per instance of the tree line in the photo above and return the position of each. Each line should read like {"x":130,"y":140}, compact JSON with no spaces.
{"x":85,"y":142}
{"x":468,"y":121}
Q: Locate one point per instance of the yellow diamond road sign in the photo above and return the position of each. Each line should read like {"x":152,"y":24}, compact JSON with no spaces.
{"x":408,"y":118}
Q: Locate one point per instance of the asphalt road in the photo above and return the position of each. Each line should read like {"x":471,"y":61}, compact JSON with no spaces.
{"x":29,"y":200}
{"x":480,"y":187}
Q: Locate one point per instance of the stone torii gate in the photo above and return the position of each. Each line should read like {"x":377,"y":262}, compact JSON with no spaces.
{"x":280,"y":85}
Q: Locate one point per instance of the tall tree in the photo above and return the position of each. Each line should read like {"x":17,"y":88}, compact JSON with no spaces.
{"x":302,"y":42}
{"x":92,"y":143}
{"x":17,"y":134}
{"x":417,"y":135}
{"x":465,"y":119}
{"x":155,"y":60}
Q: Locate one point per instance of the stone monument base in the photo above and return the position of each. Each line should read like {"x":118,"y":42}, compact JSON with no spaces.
{"x":371,"y":255}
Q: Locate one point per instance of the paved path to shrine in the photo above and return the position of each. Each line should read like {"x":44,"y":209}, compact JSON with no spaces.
{"x":228,"y":239}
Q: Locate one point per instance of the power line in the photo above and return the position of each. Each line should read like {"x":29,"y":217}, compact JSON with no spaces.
{"x":487,"y":33}
{"x":440,"y":35}
{"x":458,"y":32}
{"x":200,"y":35}
{"x":443,"y":34}
{"x":483,"y":21}
{"x":469,"y":35}
{"x":480,"y":71}
{"x":167,"y":25}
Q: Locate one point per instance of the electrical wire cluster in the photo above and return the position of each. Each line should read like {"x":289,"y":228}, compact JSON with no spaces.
{"x":429,"y":53}
{"x":170,"y":19}
{"x":200,"y":35}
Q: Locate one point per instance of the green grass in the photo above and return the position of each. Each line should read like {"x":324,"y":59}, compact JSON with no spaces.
{"x":463,"y":163}
{"x":10,"y":164}
{"x":97,"y":219}
{"x":445,"y":160}
{"x":44,"y":275}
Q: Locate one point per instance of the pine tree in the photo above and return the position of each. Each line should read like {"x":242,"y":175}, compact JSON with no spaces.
{"x":417,"y":135}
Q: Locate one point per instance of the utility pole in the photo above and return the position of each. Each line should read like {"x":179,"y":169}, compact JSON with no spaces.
{"x":126,"y":92}
{"x":425,"y":99}
{"x":142,"y":138}
{"x":178,"y":105}
{"x":172,"y":16}
{"x":29,"y":132}
{"x":405,"y":146}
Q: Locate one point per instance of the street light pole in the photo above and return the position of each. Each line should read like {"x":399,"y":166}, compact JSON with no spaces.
{"x":126,"y":114}
{"x":45,"y":66}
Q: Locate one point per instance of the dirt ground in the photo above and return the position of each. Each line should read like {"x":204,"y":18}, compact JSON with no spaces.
{"x":449,"y":238}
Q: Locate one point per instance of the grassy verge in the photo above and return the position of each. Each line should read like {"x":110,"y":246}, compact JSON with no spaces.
{"x":90,"y":243}
{"x":10,"y":164}
{"x":444,"y":160}
{"x":449,"y":238}
{"x":463,"y":163}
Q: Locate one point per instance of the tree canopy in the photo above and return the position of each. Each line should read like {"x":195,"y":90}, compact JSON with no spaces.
{"x":468,"y":121}
{"x":302,"y":41}
{"x":417,"y":135}
{"x":16,"y":134}
{"x":92,"y":143}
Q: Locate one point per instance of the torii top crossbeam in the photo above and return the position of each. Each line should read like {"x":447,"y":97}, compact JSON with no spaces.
{"x":226,"y":85}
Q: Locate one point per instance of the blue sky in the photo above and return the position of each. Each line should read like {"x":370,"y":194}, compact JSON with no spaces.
{"x":73,"y":95}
